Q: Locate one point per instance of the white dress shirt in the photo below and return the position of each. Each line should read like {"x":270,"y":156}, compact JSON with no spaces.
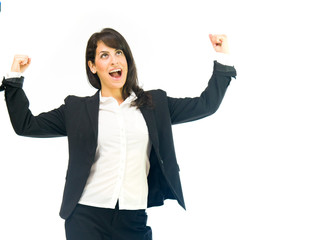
{"x":122,"y":158}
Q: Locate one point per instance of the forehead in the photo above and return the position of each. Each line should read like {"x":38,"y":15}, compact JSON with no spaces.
{"x":101,"y":47}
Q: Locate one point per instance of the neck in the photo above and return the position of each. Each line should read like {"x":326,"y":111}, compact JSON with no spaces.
{"x":117,"y":94}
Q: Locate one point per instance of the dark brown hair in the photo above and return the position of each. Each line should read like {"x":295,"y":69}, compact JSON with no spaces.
{"x":114,"y":39}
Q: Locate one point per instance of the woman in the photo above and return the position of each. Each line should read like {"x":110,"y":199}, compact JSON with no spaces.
{"x":121,"y":153}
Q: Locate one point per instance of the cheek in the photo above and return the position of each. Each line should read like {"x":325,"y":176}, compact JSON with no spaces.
{"x":123,"y":61}
{"x":125,"y":73}
{"x":101,"y":67}
{"x":125,"y":65}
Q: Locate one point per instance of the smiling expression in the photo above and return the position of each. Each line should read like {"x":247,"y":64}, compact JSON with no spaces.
{"x":111,"y":67}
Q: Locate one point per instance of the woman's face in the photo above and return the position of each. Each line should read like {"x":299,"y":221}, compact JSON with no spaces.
{"x":111,"y":67}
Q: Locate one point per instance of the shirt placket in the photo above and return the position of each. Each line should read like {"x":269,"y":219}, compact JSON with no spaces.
{"x":122,"y":158}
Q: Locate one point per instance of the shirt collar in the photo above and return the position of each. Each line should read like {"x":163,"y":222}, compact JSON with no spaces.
{"x":129,"y":99}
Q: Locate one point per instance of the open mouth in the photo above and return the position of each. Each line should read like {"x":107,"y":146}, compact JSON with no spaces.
{"x":116,"y":73}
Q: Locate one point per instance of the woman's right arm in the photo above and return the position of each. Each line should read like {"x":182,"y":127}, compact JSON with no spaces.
{"x":49,"y":124}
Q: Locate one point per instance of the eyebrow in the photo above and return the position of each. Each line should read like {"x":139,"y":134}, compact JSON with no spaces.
{"x":103,"y":52}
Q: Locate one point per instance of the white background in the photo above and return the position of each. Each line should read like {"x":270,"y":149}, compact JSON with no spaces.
{"x":256,"y":169}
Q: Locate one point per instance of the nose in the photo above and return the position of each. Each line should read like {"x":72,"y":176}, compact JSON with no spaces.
{"x":114,"y":60}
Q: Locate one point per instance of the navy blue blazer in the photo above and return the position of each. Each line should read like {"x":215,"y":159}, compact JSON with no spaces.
{"x":77,"y":119}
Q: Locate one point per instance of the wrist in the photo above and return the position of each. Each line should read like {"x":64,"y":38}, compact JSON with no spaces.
{"x":13,"y":74}
{"x":223,"y":58}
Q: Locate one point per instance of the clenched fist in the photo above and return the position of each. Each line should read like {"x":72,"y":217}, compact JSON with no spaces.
{"x":220,"y":43}
{"x":20,"y":63}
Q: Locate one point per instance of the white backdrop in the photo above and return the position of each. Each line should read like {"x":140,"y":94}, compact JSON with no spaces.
{"x":256,"y":169}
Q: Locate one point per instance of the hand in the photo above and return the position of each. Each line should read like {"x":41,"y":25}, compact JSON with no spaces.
{"x":220,"y":43}
{"x":20,"y":63}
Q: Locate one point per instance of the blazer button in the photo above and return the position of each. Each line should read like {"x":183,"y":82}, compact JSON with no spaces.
{"x":161,"y":161}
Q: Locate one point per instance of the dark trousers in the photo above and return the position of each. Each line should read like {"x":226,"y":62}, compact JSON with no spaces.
{"x":92,"y":223}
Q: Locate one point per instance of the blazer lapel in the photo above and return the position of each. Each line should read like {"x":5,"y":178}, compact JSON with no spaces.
{"x":149,"y":117}
{"x":93,"y":111}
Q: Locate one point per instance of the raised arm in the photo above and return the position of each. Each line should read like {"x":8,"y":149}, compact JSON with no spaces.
{"x":190,"y":109}
{"x":50,"y":124}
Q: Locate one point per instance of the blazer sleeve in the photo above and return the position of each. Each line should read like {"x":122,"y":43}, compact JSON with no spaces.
{"x":190,"y":109}
{"x":48,"y":124}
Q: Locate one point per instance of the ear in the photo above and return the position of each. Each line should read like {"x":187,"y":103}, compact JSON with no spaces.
{"x":92,"y":67}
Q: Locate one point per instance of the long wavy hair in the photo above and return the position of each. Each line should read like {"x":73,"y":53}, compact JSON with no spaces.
{"x":114,"y":39}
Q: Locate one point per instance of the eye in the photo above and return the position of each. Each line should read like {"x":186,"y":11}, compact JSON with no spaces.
{"x":104,"y":55}
{"x":119,"y":52}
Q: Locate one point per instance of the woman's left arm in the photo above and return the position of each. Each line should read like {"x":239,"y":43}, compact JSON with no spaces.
{"x":190,"y":109}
